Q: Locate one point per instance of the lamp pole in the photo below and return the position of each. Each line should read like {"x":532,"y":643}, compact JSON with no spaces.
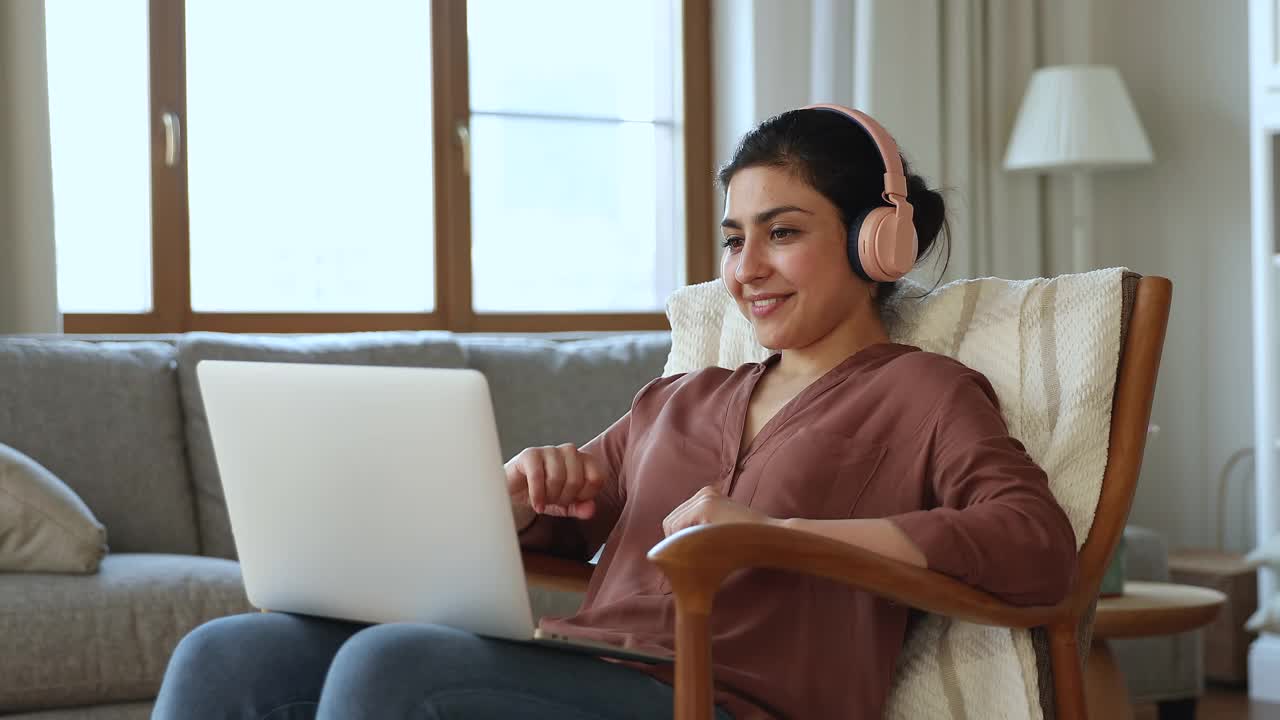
{"x":1081,"y":221}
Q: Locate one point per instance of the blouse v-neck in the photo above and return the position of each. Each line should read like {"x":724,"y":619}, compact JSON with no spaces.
{"x":737,"y":411}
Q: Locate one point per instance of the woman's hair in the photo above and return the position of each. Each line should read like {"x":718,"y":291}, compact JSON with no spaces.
{"x":836,"y":157}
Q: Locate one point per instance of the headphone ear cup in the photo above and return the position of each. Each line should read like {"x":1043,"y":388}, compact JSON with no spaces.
{"x":875,"y":233}
{"x":855,"y":244}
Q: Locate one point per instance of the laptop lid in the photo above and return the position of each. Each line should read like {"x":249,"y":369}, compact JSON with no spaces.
{"x":368,"y":493}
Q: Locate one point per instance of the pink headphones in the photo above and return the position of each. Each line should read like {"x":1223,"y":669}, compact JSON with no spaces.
{"x":882,"y":240}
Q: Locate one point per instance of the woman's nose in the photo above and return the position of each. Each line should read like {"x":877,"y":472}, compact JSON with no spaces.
{"x":752,"y":264}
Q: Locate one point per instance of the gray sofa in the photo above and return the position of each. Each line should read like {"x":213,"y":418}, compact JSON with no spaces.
{"x":122,"y":423}
{"x":1166,"y":670}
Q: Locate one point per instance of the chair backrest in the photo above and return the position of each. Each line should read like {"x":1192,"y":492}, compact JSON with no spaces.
{"x":1144,"y":322}
{"x":1072,"y":342}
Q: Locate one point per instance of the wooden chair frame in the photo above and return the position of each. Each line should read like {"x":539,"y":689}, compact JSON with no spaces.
{"x":697,"y":560}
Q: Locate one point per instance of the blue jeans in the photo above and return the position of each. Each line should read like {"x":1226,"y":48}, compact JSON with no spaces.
{"x":275,"y":666}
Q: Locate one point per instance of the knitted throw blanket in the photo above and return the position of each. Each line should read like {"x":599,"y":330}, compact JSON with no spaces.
{"x":1050,"y":348}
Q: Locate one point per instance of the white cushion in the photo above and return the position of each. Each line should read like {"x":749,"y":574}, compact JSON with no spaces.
{"x":44,"y":525}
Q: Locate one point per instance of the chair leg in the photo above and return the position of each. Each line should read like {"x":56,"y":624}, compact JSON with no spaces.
{"x":1184,"y":709}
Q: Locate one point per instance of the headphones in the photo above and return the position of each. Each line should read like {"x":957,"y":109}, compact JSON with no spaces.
{"x":882,"y":240}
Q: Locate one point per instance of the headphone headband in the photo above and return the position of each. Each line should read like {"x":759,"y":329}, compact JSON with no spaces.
{"x":895,"y":180}
{"x":882,"y":242}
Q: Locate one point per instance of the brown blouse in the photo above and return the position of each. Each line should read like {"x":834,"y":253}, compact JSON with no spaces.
{"x":892,"y":432}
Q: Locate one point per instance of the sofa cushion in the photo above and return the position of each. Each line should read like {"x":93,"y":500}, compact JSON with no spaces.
{"x":405,"y":349}
{"x":73,"y":640}
{"x":44,"y":525}
{"x":106,"y":419}
{"x":547,"y":392}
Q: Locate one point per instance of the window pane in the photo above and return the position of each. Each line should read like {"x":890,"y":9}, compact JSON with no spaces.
{"x":576,"y":187}
{"x":571,"y":216}
{"x":309,"y":162}
{"x":98,"y":125}
{"x":572,"y":57}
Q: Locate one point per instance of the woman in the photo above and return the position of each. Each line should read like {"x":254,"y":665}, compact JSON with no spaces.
{"x":839,"y":433}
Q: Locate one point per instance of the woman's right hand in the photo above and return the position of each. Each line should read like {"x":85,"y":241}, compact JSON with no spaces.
{"x":555,"y":480}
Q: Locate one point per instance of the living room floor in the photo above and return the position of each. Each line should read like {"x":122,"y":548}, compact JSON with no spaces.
{"x":1221,"y":703}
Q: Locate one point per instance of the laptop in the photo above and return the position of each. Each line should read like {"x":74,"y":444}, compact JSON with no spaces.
{"x":373,"y":494}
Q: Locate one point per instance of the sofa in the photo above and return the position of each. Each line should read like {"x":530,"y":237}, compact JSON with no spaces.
{"x":120,"y":421}
{"x":1166,"y":670}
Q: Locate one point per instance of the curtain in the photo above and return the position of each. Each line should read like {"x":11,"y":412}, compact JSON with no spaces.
{"x":1003,"y":229}
{"x":28,"y":282}
{"x":947,"y":78}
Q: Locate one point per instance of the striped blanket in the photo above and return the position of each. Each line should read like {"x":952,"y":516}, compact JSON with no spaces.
{"x":1050,"y":348}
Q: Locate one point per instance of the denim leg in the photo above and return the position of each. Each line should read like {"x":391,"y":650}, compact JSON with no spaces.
{"x":258,"y":666}
{"x":431,"y":672}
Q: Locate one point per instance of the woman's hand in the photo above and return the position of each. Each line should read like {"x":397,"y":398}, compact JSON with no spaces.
{"x":555,"y":480}
{"x":709,"y":507}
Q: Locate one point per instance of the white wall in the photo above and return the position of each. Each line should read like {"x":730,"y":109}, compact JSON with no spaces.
{"x":1187,"y":217}
{"x":761,"y":60}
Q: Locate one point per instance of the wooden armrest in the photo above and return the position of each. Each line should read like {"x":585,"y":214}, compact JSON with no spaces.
{"x":698,"y":559}
{"x":556,"y":573}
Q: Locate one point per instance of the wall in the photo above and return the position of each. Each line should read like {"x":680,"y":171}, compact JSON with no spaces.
{"x":28,"y":290}
{"x":1187,"y":217}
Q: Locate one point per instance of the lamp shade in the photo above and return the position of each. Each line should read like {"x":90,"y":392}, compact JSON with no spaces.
{"x":1076,"y":117}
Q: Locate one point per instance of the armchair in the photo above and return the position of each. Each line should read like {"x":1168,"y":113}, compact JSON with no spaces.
{"x":697,"y":560}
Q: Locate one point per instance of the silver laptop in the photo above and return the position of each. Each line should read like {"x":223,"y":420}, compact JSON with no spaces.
{"x":372,"y":494}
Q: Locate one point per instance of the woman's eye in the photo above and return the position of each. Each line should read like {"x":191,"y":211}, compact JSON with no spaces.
{"x":733,"y":242}
{"x":782,"y":233}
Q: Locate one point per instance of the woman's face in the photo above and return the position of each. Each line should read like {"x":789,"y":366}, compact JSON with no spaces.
{"x":785,"y":261}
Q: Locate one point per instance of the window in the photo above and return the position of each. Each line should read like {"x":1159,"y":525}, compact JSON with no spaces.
{"x":102,"y":214}
{"x":304,"y":166}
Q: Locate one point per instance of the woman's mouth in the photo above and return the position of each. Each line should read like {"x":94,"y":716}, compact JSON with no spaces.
{"x":763,"y":307}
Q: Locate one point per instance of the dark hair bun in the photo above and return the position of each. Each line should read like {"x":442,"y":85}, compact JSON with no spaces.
{"x":930,"y":213}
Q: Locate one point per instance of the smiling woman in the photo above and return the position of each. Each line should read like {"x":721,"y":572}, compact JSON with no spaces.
{"x":803,"y":191}
{"x":840,"y":433}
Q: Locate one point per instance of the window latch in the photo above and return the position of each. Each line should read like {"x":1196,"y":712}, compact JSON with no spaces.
{"x":464,"y":141}
{"x":172,"y":138}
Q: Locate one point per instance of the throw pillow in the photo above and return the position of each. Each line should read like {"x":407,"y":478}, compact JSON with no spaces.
{"x":44,"y":525}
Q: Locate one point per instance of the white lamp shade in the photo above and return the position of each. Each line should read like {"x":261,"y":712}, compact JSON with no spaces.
{"x":1076,"y":117}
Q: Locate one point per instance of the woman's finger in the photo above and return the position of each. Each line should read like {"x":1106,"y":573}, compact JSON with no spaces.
{"x":678,"y":519}
{"x":593,"y":476}
{"x":536,"y":472}
{"x":573,"y":479}
{"x":553,"y":466}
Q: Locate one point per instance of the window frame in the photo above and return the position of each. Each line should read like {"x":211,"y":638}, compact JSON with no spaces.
{"x":170,"y":223}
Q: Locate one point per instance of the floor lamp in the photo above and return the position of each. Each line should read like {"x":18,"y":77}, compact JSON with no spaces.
{"x":1077,"y":119}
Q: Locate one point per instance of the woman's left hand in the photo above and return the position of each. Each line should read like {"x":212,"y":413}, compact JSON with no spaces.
{"x":709,"y":507}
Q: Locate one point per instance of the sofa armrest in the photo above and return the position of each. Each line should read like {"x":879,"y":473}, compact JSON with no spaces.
{"x":1156,"y":669}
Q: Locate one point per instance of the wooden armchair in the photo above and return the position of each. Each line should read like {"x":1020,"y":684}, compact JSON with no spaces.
{"x":698,"y":560}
